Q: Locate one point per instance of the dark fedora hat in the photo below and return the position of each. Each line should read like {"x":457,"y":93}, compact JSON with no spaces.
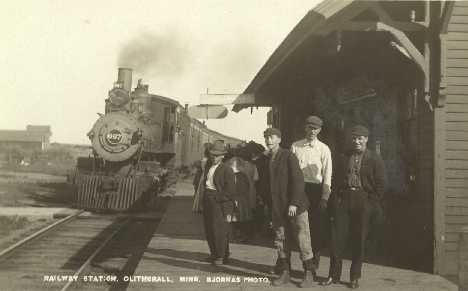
{"x":218,"y":148}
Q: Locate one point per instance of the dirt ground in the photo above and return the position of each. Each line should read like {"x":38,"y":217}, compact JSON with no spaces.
{"x":23,"y":191}
{"x":15,"y":228}
{"x":33,"y":189}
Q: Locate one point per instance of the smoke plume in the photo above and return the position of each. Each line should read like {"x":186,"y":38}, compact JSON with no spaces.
{"x":233,"y":63}
{"x":164,"y":55}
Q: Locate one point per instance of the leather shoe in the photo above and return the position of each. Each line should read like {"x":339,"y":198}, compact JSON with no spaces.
{"x":208,"y":259}
{"x":354,"y":284}
{"x":307,"y":280}
{"x":282,"y":279}
{"x":276,"y":269}
{"x":329,"y":281}
{"x":226,"y":261}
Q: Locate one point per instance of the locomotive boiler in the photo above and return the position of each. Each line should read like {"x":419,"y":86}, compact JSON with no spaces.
{"x":133,"y":145}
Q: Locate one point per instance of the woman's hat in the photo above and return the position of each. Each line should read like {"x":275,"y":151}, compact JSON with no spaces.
{"x":218,"y":148}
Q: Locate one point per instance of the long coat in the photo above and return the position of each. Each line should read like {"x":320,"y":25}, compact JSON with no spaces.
{"x":263,"y":183}
{"x":224,"y":182}
{"x":286,"y":186}
{"x":243,"y":197}
{"x":372,"y":174}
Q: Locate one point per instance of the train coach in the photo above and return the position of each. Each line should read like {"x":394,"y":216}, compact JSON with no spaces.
{"x":137,"y":145}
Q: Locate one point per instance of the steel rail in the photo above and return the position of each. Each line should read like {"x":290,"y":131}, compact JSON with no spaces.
{"x":38,"y":233}
{"x":95,"y":253}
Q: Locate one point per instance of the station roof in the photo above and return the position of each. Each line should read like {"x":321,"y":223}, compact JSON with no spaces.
{"x":312,"y":22}
{"x":332,"y":15}
{"x":39,"y":128}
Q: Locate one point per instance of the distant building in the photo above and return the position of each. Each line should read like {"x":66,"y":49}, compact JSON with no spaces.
{"x":35,"y":137}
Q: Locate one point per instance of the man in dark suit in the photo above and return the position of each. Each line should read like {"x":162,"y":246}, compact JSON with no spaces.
{"x":218,"y":205}
{"x":358,"y":188}
{"x":289,"y":209}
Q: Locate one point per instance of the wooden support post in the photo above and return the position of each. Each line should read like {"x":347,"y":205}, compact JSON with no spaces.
{"x":433,"y":57}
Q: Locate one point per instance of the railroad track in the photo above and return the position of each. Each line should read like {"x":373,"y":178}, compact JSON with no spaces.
{"x":79,"y":252}
{"x":50,"y":257}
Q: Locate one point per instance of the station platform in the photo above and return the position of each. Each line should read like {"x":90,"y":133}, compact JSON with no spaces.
{"x":174,"y":260}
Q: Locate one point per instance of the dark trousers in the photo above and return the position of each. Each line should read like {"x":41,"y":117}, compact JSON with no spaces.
{"x":216,"y":226}
{"x":350,"y":222}
{"x":318,"y":221}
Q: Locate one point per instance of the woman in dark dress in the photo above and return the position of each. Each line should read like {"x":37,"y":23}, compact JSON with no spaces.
{"x":243,"y":211}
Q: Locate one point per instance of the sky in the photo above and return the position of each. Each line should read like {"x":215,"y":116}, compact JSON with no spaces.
{"x":60,"y":58}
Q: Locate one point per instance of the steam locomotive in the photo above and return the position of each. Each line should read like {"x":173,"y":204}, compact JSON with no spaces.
{"x":137,"y":145}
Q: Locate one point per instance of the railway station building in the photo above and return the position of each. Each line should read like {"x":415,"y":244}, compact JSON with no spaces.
{"x":401,"y":68}
{"x":35,"y":137}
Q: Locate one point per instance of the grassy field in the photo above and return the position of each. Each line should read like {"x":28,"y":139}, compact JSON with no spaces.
{"x":10,"y":223}
{"x":14,"y":228}
{"x":35,"y":194}
{"x":29,"y":191}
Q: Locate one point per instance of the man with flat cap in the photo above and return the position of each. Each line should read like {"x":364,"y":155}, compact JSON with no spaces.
{"x":316,"y":164}
{"x":289,"y":209}
{"x":358,"y":186}
{"x":218,"y":203}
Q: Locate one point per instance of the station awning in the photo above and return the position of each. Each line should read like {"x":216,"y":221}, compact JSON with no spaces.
{"x":312,"y":22}
{"x":327,"y":17}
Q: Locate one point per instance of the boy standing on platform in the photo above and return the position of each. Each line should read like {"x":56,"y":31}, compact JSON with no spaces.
{"x":289,"y":209}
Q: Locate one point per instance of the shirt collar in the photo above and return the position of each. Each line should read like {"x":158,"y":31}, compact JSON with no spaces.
{"x":310,"y":143}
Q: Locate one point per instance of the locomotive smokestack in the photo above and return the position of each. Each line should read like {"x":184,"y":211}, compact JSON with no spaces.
{"x":125,"y":78}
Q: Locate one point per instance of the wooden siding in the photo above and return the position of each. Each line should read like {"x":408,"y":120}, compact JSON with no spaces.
{"x":455,"y":74}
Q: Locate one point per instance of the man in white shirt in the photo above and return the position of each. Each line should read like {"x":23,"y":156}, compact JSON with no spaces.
{"x":218,"y":205}
{"x":316,"y":164}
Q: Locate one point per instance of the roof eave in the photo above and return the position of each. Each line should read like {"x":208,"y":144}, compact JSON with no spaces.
{"x":311,"y":23}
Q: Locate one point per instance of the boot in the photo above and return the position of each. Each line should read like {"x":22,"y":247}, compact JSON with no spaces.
{"x":310,"y":265}
{"x":276,"y":269}
{"x":284,"y":277}
{"x":307,"y":280}
{"x":309,"y":274}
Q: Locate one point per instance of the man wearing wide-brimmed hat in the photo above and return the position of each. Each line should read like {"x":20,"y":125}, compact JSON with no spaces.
{"x":358,"y":189}
{"x":316,"y":164}
{"x":289,"y":209}
{"x":218,"y":203}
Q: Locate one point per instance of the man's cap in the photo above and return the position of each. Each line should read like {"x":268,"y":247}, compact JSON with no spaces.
{"x":272,"y":131}
{"x":314,"y":121}
{"x":218,"y":148}
{"x":359,"y":130}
